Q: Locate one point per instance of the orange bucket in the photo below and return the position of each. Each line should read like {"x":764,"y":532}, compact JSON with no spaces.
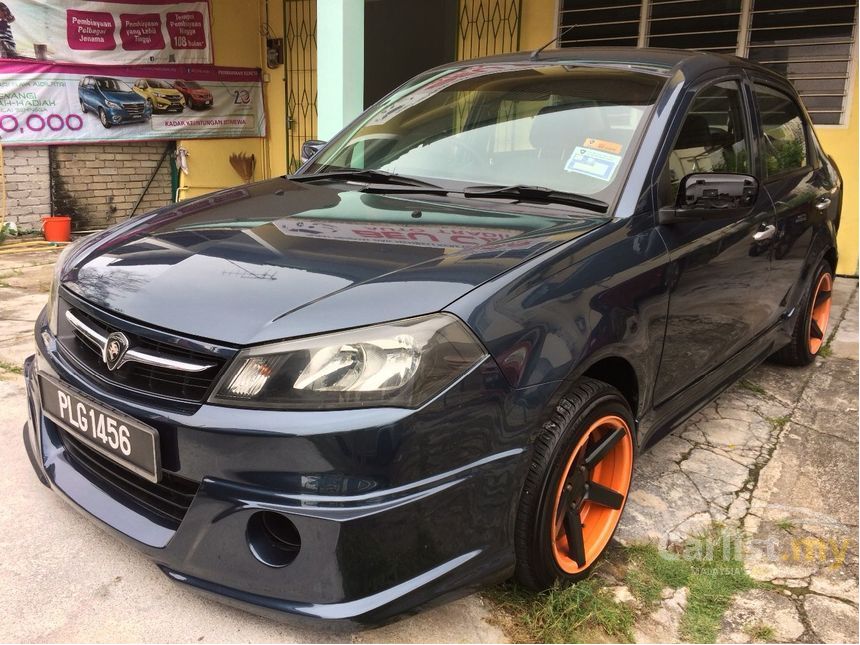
{"x":57,"y":228}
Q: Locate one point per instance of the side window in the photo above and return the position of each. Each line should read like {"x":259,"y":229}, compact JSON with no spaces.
{"x":783,"y":132}
{"x":713,"y":138}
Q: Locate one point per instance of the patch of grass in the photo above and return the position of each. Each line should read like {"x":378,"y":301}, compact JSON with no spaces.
{"x":5,"y":276}
{"x":650,"y":570}
{"x":755,"y":388}
{"x":785,"y":525}
{"x":826,"y":350}
{"x":778,"y":423}
{"x":580,"y":613}
{"x":717,"y":575}
{"x":760,"y":632}
{"x":10,"y":367}
{"x":709,"y":566}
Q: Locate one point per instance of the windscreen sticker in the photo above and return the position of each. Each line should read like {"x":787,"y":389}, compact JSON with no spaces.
{"x":594,"y":163}
{"x":602,"y":144}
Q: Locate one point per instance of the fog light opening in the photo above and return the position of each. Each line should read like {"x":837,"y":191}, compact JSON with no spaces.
{"x":273,"y":539}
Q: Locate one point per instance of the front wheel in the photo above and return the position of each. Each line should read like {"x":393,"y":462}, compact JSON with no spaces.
{"x":103,"y":117}
{"x":810,"y":328}
{"x":577,"y":486}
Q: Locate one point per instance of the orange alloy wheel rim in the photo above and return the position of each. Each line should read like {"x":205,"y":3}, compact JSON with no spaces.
{"x":820,"y":314}
{"x":591,"y":493}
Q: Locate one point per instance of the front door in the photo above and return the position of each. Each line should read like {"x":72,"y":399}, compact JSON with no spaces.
{"x":720,"y":265}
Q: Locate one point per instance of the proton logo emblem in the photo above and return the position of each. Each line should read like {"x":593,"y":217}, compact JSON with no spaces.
{"x":114,"y":350}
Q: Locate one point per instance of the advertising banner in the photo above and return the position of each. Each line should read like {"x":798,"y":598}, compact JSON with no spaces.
{"x":118,"y":32}
{"x":45,"y":104}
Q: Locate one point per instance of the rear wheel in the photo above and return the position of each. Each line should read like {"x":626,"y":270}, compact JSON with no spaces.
{"x":576,"y":487}
{"x":810,"y":329}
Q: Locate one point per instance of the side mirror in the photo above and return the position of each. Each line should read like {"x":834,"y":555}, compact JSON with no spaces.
{"x":712,"y":195}
{"x":310,"y":148}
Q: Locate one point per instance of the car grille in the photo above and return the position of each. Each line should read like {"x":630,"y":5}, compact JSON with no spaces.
{"x":149,"y":379}
{"x":169,"y":498}
{"x":134,"y":109}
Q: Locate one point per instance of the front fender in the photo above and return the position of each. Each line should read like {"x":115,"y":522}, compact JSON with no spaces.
{"x":602,"y":295}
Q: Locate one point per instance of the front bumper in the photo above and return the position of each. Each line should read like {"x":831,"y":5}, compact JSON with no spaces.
{"x":166,"y":105}
{"x":395,"y":508}
{"x":121,"y":115}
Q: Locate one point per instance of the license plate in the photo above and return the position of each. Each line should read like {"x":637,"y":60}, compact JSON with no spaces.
{"x":122,"y":439}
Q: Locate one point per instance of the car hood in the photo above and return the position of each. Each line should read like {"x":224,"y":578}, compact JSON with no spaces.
{"x":165,"y":92}
{"x":121,"y":97}
{"x":280,"y":259}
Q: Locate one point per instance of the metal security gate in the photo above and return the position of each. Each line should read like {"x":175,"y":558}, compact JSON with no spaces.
{"x":300,"y":27}
{"x":488,"y":27}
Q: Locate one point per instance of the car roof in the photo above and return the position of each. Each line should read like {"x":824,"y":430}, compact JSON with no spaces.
{"x":655,"y":60}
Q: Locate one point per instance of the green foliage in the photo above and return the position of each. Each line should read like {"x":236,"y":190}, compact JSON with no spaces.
{"x":760,"y":632}
{"x":785,"y":525}
{"x":755,"y":388}
{"x":717,"y":575}
{"x":9,"y":367}
{"x":651,"y":570}
{"x":785,"y":154}
{"x":580,"y":613}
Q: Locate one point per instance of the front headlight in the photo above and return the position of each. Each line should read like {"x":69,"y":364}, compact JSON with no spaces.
{"x":397,"y":364}
{"x":112,"y":104}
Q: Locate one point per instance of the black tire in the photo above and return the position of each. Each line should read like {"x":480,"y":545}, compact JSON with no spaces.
{"x":103,"y":118}
{"x":536,"y":531}
{"x":800,"y":351}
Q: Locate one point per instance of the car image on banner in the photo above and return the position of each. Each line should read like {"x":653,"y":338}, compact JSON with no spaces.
{"x":52,"y":103}
{"x":160,"y":96}
{"x":112,"y":100}
{"x":196,"y":96}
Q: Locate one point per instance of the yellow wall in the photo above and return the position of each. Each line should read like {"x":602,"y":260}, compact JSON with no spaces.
{"x":537,"y":23}
{"x":841,"y":144}
{"x":236,"y":34}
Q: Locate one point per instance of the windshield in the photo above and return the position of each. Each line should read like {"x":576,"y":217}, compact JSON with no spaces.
{"x":194,"y":85}
{"x":161,"y":84}
{"x":113,"y":85}
{"x":560,"y":127}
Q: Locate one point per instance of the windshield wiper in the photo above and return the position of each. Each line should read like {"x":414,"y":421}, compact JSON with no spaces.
{"x":369,"y":175}
{"x":537,"y":194}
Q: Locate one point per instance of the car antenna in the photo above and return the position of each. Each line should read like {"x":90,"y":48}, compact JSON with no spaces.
{"x":536,"y":53}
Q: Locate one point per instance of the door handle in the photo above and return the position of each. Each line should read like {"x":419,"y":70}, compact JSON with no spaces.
{"x":822,"y":203}
{"x":765,"y":234}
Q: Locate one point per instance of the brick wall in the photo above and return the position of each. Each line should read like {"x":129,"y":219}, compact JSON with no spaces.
{"x":28,"y":196}
{"x":99,"y":184}
{"x":96,"y":184}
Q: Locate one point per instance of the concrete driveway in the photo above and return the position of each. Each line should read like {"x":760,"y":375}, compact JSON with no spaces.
{"x":775,"y":457}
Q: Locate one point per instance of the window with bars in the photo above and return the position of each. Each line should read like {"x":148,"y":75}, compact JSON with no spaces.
{"x":599,"y":22}
{"x":710,"y":25}
{"x":810,"y":42}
